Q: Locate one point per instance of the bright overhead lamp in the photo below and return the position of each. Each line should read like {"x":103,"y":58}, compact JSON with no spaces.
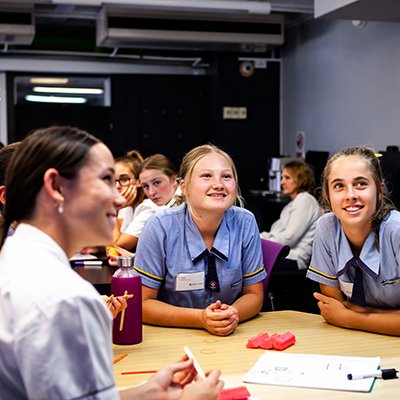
{"x":67,"y":90}
{"x":55,"y":99}
{"x":49,"y":81}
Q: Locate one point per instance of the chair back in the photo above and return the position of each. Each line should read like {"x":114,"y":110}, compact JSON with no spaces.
{"x":273,"y":253}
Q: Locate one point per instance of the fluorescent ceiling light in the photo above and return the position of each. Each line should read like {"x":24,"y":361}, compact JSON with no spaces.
{"x":49,"y":81}
{"x":70,"y":90}
{"x":55,"y":99}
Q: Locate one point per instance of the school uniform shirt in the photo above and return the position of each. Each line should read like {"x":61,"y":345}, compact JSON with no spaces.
{"x":144,"y":211}
{"x":296,"y":226}
{"x":55,"y":329}
{"x":170,"y":257}
{"x":332,"y":260}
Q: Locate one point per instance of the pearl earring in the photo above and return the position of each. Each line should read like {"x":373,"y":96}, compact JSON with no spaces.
{"x":60,"y":208}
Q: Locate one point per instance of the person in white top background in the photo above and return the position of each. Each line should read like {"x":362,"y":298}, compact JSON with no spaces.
{"x":296,"y":224}
{"x":61,"y":192}
{"x":127,"y":170}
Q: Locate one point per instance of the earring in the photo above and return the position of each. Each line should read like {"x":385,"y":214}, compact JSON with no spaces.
{"x":60,"y":208}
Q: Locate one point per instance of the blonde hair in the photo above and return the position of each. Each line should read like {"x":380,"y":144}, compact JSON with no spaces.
{"x":192,"y":158}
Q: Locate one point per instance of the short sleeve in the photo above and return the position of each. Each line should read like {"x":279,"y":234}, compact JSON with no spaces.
{"x":150,"y":254}
{"x":66,"y":353}
{"x":253,"y":269}
{"x":323,"y":266}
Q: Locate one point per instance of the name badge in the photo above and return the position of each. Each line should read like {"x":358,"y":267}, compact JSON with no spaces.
{"x":191,"y":281}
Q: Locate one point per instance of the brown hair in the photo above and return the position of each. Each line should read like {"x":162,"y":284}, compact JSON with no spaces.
{"x":61,"y":147}
{"x":303,"y":175}
{"x":159,"y":162}
{"x":193,"y":156}
{"x":133,"y":160}
{"x":368,"y":155}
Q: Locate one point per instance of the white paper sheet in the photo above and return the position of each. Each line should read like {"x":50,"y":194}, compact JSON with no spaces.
{"x":313,"y":371}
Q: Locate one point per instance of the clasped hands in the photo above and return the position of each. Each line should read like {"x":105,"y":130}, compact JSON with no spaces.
{"x":220,"y":319}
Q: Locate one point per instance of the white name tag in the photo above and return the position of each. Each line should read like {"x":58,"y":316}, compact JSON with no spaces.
{"x":192,"y":281}
{"x":346,"y":288}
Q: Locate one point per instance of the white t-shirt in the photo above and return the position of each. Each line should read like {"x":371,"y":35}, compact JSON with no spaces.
{"x":144,"y":211}
{"x":126,"y":214}
{"x":55,"y":329}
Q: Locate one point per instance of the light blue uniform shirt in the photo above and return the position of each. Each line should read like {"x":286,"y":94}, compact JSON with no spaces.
{"x":332,"y":259}
{"x":171,"y":244}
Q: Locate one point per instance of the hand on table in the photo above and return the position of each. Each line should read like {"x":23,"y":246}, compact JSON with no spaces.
{"x":177,"y":381}
{"x":114,"y":252}
{"x":332,"y":310}
{"x":220,"y":319}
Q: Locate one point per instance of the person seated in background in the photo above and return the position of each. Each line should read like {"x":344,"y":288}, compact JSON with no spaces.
{"x":201,"y":262}
{"x":61,"y":191}
{"x":5,"y":155}
{"x":158,"y":178}
{"x":127,"y":180}
{"x":296,"y":224}
{"x":356,"y":250}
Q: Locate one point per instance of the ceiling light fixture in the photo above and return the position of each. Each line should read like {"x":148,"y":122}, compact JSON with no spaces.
{"x":55,"y":99}
{"x":49,"y":81}
{"x":67,"y":90}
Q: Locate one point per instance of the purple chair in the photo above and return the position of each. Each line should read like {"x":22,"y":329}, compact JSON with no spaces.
{"x":273,"y":253}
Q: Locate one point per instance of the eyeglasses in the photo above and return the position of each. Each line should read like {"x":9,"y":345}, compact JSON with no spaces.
{"x":124,"y":180}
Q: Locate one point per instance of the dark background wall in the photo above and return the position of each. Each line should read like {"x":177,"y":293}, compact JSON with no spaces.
{"x":171,"y":114}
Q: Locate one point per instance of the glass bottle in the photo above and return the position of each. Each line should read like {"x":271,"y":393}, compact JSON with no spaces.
{"x":127,"y":326}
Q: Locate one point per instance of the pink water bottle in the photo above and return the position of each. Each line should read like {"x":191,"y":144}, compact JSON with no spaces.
{"x":127,"y":326}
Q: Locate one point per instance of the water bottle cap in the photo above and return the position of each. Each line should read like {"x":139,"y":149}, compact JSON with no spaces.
{"x":125,"y":261}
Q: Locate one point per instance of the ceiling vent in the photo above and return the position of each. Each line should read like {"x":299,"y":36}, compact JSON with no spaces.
{"x":189,"y":29}
{"x":16,"y":24}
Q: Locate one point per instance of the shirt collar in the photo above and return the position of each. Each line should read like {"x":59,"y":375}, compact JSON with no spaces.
{"x":196,"y":245}
{"x":369,"y":257}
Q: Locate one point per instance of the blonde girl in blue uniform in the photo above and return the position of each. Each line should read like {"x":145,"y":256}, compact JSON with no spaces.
{"x":356,"y":250}
{"x":201,"y":262}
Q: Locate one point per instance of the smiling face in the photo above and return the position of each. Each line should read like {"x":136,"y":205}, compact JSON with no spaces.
{"x":212,"y":185}
{"x":158,"y":187}
{"x":352,"y":192}
{"x":91,"y":200}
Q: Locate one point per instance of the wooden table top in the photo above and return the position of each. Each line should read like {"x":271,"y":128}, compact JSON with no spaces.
{"x":163,"y":346}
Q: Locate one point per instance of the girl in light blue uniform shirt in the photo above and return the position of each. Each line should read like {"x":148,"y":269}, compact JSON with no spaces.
{"x":201,"y":262}
{"x":356,"y":250}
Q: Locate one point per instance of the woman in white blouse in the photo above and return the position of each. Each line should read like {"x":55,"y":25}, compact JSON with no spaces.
{"x":296,"y":224}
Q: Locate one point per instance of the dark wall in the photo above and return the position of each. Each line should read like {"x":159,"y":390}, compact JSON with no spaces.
{"x":170,"y":114}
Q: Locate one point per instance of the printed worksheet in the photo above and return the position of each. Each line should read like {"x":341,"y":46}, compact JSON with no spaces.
{"x":313,"y":371}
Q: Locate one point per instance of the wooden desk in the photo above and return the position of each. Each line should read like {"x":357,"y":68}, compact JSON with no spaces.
{"x":163,"y":346}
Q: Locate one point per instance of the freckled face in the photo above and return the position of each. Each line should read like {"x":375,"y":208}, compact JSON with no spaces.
{"x":212,"y":186}
{"x":352,"y":192}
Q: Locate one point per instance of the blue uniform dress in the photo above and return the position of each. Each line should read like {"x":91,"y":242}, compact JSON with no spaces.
{"x":171,"y":247}
{"x":332,"y":260}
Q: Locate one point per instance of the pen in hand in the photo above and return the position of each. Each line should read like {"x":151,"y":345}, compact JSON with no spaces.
{"x":390,"y":373}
